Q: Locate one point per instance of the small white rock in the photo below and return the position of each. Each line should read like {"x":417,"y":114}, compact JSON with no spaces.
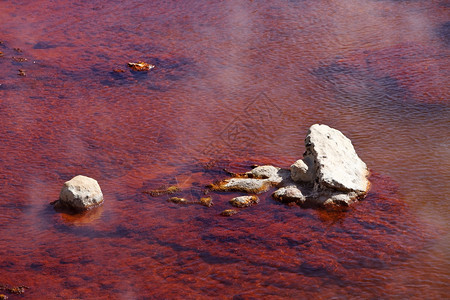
{"x":264,"y":172}
{"x":303,"y":170}
{"x":273,"y":174}
{"x":289,"y":194}
{"x":249,"y":185}
{"x":81,"y":193}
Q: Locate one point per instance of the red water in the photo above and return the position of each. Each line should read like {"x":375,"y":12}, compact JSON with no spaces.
{"x":235,"y":83}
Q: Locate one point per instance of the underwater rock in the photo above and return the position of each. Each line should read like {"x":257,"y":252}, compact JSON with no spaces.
{"x":228,"y":212}
{"x":80,"y":193}
{"x":244,"y":201}
{"x":336,"y":164}
{"x":178,"y":200}
{"x":206,"y":201}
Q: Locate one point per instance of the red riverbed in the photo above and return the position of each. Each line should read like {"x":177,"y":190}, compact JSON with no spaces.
{"x":235,"y":83}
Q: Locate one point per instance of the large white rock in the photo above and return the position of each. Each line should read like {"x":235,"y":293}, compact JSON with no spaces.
{"x":337,"y":166}
{"x":81,"y":193}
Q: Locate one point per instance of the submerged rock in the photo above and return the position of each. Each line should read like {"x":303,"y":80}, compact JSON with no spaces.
{"x":178,"y":200}
{"x":163,"y":191}
{"x":80,"y":193}
{"x":206,"y":201}
{"x":336,"y":164}
{"x":228,"y":212}
{"x":244,"y":201}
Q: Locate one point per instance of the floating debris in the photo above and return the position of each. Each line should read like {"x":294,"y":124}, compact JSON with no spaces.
{"x":228,"y":212}
{"x":163,"y":191}
{"x":22,"y":73}
{"x":118,"y":71}
{"x":140,"y":66}
{"x":206,"y":201}
{"x":1,"y":54}
{"x":17,"y":290}
{"x":3,"y":297}
{"x":19,"y":59}
{"x":178,"y":200}
{"x":18,"y":50}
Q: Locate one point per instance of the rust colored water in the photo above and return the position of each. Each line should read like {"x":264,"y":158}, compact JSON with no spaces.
{"x":235,"y":83}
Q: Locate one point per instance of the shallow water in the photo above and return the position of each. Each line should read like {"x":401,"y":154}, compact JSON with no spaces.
{"x":235,"y":83}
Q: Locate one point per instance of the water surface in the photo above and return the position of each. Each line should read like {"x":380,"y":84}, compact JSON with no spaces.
{"x":235,"y":83}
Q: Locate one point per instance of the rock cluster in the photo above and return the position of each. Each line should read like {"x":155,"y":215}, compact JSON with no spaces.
{"x":330,"y":173}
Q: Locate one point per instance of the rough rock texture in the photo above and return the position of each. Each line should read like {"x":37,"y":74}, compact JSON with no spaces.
{"x":244,"y":201}
{"x":336,"y":162}
{"x":80,"y":193}
{"x":273,"y":174}
{"x":343,"y":199}
{"x":264,"y":172}
{"x":289,"y":194}
{"x":330,"y":174}
{"x":303,"y":170}
{"x":248,"y":185}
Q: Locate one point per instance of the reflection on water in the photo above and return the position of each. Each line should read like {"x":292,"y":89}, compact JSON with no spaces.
{"x":235,"y":83}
